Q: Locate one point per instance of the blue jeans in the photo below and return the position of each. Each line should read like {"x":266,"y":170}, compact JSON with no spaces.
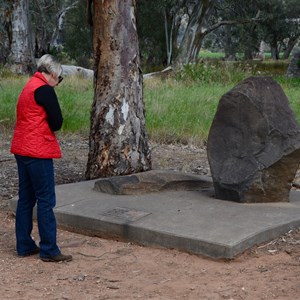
{"x":36,"y":186}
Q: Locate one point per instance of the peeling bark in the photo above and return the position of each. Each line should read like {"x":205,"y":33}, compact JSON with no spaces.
{"x":21,"y":59}
{"x":118,"y":143}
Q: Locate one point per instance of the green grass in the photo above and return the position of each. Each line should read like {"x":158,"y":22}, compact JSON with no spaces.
{"x":180,"y":113}
{"x":291,"y":87}
{"x":211,"y":55}
{"x":182,"y":109}
{"x":178,"y":109}
{"x":10,"y":88}
{"x":206,"y":54}
{"x":75,"y":96}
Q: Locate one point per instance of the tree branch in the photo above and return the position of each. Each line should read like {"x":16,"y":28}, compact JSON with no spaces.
{"x":230,"y":22}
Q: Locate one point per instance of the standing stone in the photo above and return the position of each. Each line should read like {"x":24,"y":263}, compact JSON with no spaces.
{"x":253,"y":145}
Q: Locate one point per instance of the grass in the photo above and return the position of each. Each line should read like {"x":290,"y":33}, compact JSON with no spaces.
{"x":178,"y":109}
{"x":75,"y":97}
{"x":10,"y":88}
{"x":179,"y":112}
{"x":206,"y":54}
{"x":291,"y":87}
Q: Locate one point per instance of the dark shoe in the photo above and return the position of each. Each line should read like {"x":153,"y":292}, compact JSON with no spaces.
{"x":33,"y":252}
{"x":57,"y":258}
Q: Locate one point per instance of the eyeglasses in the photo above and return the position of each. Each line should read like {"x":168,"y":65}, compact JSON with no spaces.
{"x":60,"y":79}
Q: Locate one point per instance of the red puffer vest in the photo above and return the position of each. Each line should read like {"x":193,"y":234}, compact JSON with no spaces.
{"x":32,"y":135}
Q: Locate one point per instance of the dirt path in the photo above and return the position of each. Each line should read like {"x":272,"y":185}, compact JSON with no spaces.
{"x":106,"y":269}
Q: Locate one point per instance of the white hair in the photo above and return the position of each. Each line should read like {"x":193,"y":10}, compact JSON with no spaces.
{"x":49,"y":65}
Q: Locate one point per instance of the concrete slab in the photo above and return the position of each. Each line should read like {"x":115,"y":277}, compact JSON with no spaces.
{"x":191,"y":221}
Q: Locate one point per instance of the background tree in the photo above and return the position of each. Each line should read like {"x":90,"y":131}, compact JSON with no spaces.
{"x":20,"y":58}
{"x":32,"y":28}
{"x":49,"y":18}
{"x":5,"y":29}
{"x":151,"y":34}
{"x":273,"y":25}
{"x":195,"y":31}
{"x":77,"y":36}
{"x":292,"y":10}
{"x":118,"y":143}
{"x":197,"y":20}
{"x":170,"y":31}
{"x":56,"y":38}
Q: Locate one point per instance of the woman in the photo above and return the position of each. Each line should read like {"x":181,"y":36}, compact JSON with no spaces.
{"x":34,"y":145}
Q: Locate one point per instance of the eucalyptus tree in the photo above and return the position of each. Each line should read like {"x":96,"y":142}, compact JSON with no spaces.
{"x":158,"y":23}
{"x":273,"y":27}
{"x":20,"y":58}
{"x":30,"y":28}
{"x":189,"y":22}
{"x":76,"y":36}
{"x":175,"y":27}
{"x":293,"y":13}
{"x":275,"y":22}
{"x":118,"y":142}
{"x":150,"y":27}
{"x":241,"y":33}
{"x":197,"y":28}
{"x":48,"y":22}
{"x":5,"y":30}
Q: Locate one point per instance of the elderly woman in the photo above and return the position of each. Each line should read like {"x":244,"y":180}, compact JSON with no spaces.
{"x":34,"y":145}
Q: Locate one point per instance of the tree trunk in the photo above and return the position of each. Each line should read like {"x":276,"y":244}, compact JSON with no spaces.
{"x":118,"y":143}
{"x":274,"y":53}
{"x":274,"y":49}
{"x":290,"y":46}
{"x":56,"y":40}
{"x":230,"y":53}
{"x":192,"y":39}
{"x":5,"y":32}
{"x":21,"y":59}
{"x":169,"y":37}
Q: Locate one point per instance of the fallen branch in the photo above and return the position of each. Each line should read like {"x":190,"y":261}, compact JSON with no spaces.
{"x":164,"y":72}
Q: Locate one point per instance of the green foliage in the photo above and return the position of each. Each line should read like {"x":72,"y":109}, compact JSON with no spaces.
{"x":224,"y":72}
{"x":77,"y":36}
{"x":150,"y":27}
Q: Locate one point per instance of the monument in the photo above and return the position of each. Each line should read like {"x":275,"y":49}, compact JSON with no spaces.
{"x":253,"y":145}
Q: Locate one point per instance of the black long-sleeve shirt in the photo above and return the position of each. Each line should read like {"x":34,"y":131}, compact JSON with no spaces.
{"x":45,"y":96}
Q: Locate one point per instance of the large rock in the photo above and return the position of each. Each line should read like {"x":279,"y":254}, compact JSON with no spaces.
{"x":254,"y":143}
{"x":77,"y":71}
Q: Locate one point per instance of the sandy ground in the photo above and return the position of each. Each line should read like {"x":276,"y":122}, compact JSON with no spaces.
{"x":110,"y":269}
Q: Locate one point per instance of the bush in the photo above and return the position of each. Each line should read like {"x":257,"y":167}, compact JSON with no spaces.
{"x":4,"y":72}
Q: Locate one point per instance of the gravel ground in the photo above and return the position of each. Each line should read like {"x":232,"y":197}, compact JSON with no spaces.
{"x":110,"y":269}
